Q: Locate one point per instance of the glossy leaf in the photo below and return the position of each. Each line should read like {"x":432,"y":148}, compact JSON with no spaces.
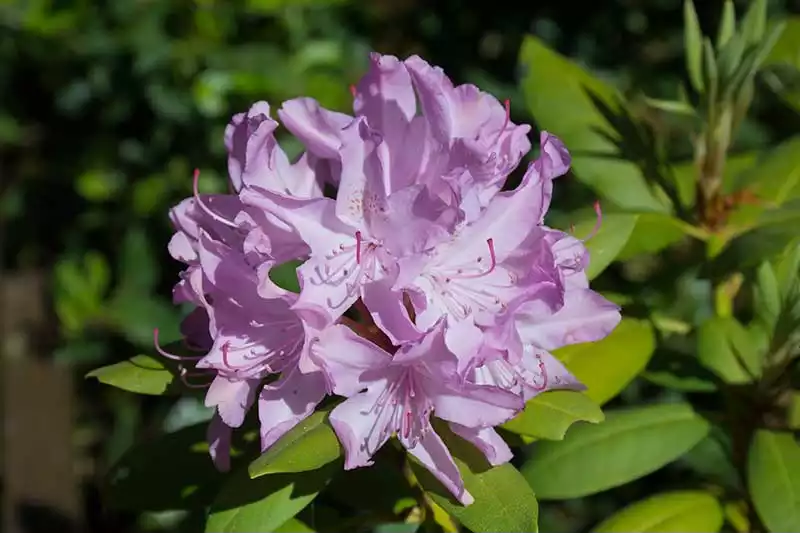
{"x":692,"y":41}
{"x":607,"y":366}
{"x":309,"y":445}
{"x":753,"y":247}
{"x":711,"y":458}
{"x":503,"y":500}
{"x":725,"y":347}
{"x":775,"y":177}
{"x":293,"y":525}
{"x":787,"y":48}
{"x":755,"y":22}
{"x":773,"y":473}
{"x":173,"y":471}
{"x":668,"y":512}
{"x":727,"y":25}
{"x":245,"y":505}
{"x":141,"y":374}
{"x":681,"y":372}
{"x":605,"y":245}
{"x":631,"y":443}
{"x":653,"y":232}
{"x":557,"y":94}
{"x":549,"y":415}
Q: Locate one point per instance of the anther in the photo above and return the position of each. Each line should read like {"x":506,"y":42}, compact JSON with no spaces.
{"x":358,"y":247}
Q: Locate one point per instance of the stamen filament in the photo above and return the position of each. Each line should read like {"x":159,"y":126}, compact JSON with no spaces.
{"x":168,"y":355}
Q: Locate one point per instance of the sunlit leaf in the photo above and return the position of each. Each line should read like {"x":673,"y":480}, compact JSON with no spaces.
{"x":631,"y":443}
{"x":667,"y":512}
{"x":773,"y":473}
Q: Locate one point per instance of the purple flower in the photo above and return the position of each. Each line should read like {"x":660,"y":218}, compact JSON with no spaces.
{"x":459,"y":289}
{"x":357,"y":240}
{"x":396,"y":395}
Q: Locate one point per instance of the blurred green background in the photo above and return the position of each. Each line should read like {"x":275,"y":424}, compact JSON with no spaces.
{"x":108,"y":106}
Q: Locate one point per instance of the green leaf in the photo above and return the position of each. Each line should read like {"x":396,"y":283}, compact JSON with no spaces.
{"x":727,"y":25}
{"x":607,"y":366}
{"x":141,"y":374}
{"x":246,"y":505}
{"x":767,"y":295}
{"x":711,"y":458}
{"x":726,"y":348}
{"x":773,"y":473}
{"x":549,"y":415}
{"x":378,"y":488}
{"x":557,"y":92}
{"x":787,"y":48}
{"x":285,"y":275}
{"x":775,"y":177}
{"x":754,"y":22}
{"x":687,"y":510}
{"x":173,"y":471}
{"x":681,"y":372}
{"x":309,"y":445}
{"x":137,"y":266}
{"x":293,"y":525}
{"x":653,"y":232}
{"x":711,"y":72}
{"x":610,"y":239}
{"x":137,"y":314}
{"x":787,"y":271}
{"x":692,"y":40}
{"x":752,"y":247}
{"x":631,"y":443}
{"x":503,"y":500}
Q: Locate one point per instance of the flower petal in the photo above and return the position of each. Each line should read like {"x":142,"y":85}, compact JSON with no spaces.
{"x":585,"y":317}
{"x":473,"y":405}
{"x":385,"y":94}
{"x":218,"y":435}
{"x":287,"y":403}
{"x":318,"y":128}
{"x":232,"y":397}
{"x":249,"y":139}
{"x":431,"y":451}
{"x":359,"y":426}
{"x":487,"y":441}
{"x":345,"y":357}
{"x":543,"y":372}
{"x":362,"y":189}
{"x":389,"y":313}
{"x":437,"y":98}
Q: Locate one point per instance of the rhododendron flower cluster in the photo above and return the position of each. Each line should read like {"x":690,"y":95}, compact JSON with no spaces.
{"x":426,"y":289}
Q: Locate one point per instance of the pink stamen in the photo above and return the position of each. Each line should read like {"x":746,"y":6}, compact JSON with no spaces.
{"x":225,"y":348}
{"x":492,"y":256}
{"x":358,"y":247}
{"x":598,"y":221}
{"x":543,"y":370}
{"x":490,"y":243}
{"x":204,"y":207}
{"x":168,"y":355}
{"x":353,"y":90}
